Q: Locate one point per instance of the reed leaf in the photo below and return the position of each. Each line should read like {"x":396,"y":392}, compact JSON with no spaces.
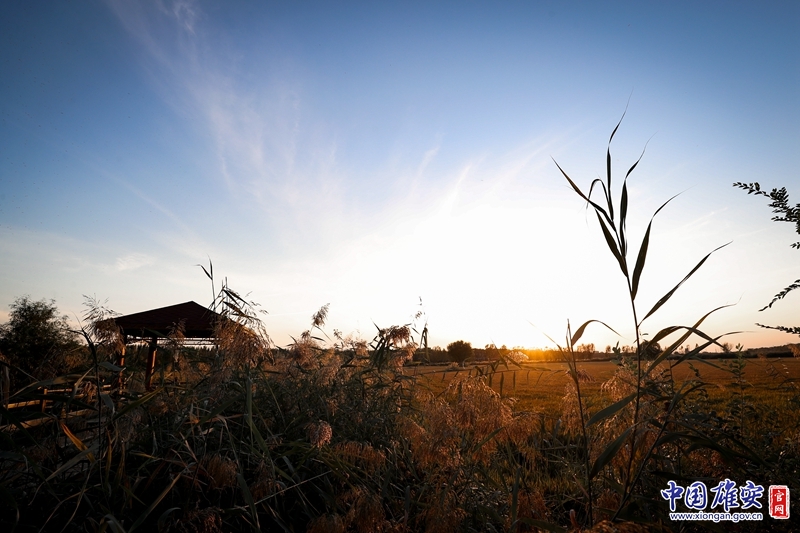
{"x":623,"y":217}
{"x":73,"y":461}
{"x":154,"y":504}
{"x":667,"y":296}
{"x":612,"y":245}
{"x":248,"y":497}
{"x":611,"y":410}
{"x":640,"y":259}
{"x":609,"y":453}
{"x":113,"y":523}
{"x":588,"y":200}
{"x":162,"y":520}
{"x":75,"y":440}
{"x":678,"y":343}
{"x":137,"y":403}
{"x":579,"y":332}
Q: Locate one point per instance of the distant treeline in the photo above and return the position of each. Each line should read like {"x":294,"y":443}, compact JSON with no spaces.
{"x":437,"y":354}
{"x":587,"y":352}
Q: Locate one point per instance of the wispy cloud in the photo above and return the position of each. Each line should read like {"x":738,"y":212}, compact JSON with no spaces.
{"x":133,"y":261}
{"x":257,"y":130}
{"x":281,"y":163}
{"x":427,"y":158}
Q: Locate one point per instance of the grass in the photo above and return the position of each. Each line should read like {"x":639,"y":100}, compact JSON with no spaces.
{"x":540,"y":386}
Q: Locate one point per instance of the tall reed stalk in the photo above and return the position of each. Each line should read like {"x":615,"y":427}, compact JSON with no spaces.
{"x":612,"y":218}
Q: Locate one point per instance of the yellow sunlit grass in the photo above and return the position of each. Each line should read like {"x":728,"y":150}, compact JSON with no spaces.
{"x":540,"y":386}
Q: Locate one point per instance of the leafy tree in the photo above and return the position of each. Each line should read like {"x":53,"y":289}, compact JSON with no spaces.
{"x":649,"y":350}
{"x":36,"y":342}
{"x":783,"y":213}
{"x":459,"y":351}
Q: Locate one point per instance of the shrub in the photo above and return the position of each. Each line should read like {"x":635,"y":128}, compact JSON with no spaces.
{"x":37,"y":342}
{"x":650,"y":350}
{"x":459,"y":351}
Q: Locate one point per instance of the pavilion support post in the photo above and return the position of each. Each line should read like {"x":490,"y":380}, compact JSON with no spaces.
{"x":120,"y":363}
{"x":151,"y":363}
{"x":5,"y":386}
{"x":43,"y":401}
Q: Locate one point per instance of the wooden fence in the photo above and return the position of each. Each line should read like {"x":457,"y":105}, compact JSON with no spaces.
{"x":42,"y":409}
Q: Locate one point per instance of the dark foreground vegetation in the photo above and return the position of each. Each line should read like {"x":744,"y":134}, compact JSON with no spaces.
{"x":335,"y":434}
{"x":344,"y":437}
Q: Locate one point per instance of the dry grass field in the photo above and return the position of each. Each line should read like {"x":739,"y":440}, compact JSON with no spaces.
{"x":540,"y":386}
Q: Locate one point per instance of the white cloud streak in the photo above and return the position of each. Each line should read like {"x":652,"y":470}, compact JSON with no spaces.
{"x":257,"y":134}
{"x":133,"y":261}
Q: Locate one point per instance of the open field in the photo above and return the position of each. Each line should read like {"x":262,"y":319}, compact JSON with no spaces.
{"x":540,"y":386}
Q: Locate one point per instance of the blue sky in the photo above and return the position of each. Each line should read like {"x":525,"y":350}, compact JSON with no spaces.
{"x":368,"y":155}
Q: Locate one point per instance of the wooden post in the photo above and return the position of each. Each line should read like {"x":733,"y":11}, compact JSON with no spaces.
{"x":121,"y":353}
{"x":5,"y":386}
{"x":121,"y":363}
{"x":151,"y":363}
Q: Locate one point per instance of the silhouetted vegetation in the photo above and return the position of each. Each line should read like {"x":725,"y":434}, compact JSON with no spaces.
{"x":783,"y":213}
{"x":37,"y":342}
{"x":460,"y":352}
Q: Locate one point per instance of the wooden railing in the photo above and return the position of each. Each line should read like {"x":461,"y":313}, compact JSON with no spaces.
{"x":24,"y":412}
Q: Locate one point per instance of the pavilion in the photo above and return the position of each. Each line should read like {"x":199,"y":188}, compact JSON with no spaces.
{"x":194,"y":321}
